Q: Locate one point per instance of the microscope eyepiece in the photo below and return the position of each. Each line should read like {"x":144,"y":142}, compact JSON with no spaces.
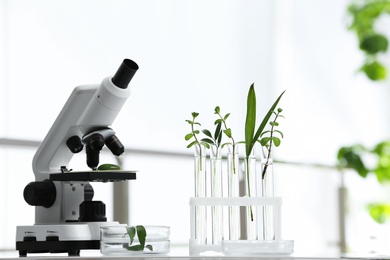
{"x":125,"y":73}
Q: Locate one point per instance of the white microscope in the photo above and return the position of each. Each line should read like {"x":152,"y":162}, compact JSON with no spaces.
{"x":67,"y":220}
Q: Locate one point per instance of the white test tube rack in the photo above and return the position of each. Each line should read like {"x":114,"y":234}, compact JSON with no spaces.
{"x":276,"y":246}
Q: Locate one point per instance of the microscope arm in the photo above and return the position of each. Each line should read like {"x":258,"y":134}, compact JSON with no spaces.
{"x":88,"y":108}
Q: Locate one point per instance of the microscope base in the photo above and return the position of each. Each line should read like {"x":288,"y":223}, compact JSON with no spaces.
{"x":71,"y":247}
{"x":62,"y":238}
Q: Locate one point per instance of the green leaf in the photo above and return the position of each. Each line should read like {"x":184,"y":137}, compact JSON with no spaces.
{"x":226,"y":116}
{"x":380,"y":212}
{"x":219,"y":140}
{"x":267,"y":117}
{"x":150,"y":247}
{"x":191,"y":144}
{"x":196,"y":132}
{"x":135,"y":248}
{"x":281,"y":134}
{"x":350,"y":157}
{"x":264,"y":141}
{"x":228,"y":132}
{"x":206,"y":145}
{"x":382,"y":148}
{"x":217,"y":110}
{"x":276,"y":141}
{"x":218,"y":131}
{"x":374,"y":43}
{"x":207,"y":140}
{"x":375,"y":70}
{"x":194,"y":114}
{"x":141,"y":233}
{"x":189,"y":136}
{"x":250,"y":121}
{"x":223,"y":145}
{"x":218,"y":121}
{"x":207,"y":132}
{"x":131,"y":231}
{"x":266,"y":132}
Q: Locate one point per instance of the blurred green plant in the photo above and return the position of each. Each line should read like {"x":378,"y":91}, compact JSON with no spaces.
{"x":353,"y":157}
{"x":364,"y":16}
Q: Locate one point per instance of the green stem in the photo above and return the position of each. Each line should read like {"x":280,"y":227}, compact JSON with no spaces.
{"x":269,"y":149}
{"x":199,"y":145}
{"x":248,"y":186}
{"x":233,"y":144}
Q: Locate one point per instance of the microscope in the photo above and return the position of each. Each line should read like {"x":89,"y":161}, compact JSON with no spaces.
{"x":67,"y":219}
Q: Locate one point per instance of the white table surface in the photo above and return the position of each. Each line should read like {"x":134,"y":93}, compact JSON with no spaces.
{"x":95,"y":254}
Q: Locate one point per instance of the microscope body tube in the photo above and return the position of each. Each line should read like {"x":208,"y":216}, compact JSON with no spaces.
{"x":89,"y":107}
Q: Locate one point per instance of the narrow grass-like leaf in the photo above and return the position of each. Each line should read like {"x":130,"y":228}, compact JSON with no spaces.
{"x":250,"y":121}
{"x":267,"y":117}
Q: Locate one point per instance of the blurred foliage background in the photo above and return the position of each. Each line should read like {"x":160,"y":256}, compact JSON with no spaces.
{"x":374,"y":45}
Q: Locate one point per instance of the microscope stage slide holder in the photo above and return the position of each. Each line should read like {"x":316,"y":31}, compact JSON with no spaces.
{"x":94,"y":176}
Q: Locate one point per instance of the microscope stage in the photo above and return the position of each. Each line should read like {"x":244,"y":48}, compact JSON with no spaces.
{"x":97,"y":176}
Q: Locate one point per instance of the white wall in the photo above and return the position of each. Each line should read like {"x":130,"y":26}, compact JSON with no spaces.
{"x":193,"y":55}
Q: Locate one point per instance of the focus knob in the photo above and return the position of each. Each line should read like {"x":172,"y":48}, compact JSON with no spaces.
{"x":92,"y":211}
{"x":40,"y":193}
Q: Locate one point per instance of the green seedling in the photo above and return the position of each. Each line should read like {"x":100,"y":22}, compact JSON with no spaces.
{"x":140,"y":231}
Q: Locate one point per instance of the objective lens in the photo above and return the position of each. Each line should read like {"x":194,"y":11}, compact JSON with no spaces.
{"x":115,"y":146}
{"x":96,"y":142}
